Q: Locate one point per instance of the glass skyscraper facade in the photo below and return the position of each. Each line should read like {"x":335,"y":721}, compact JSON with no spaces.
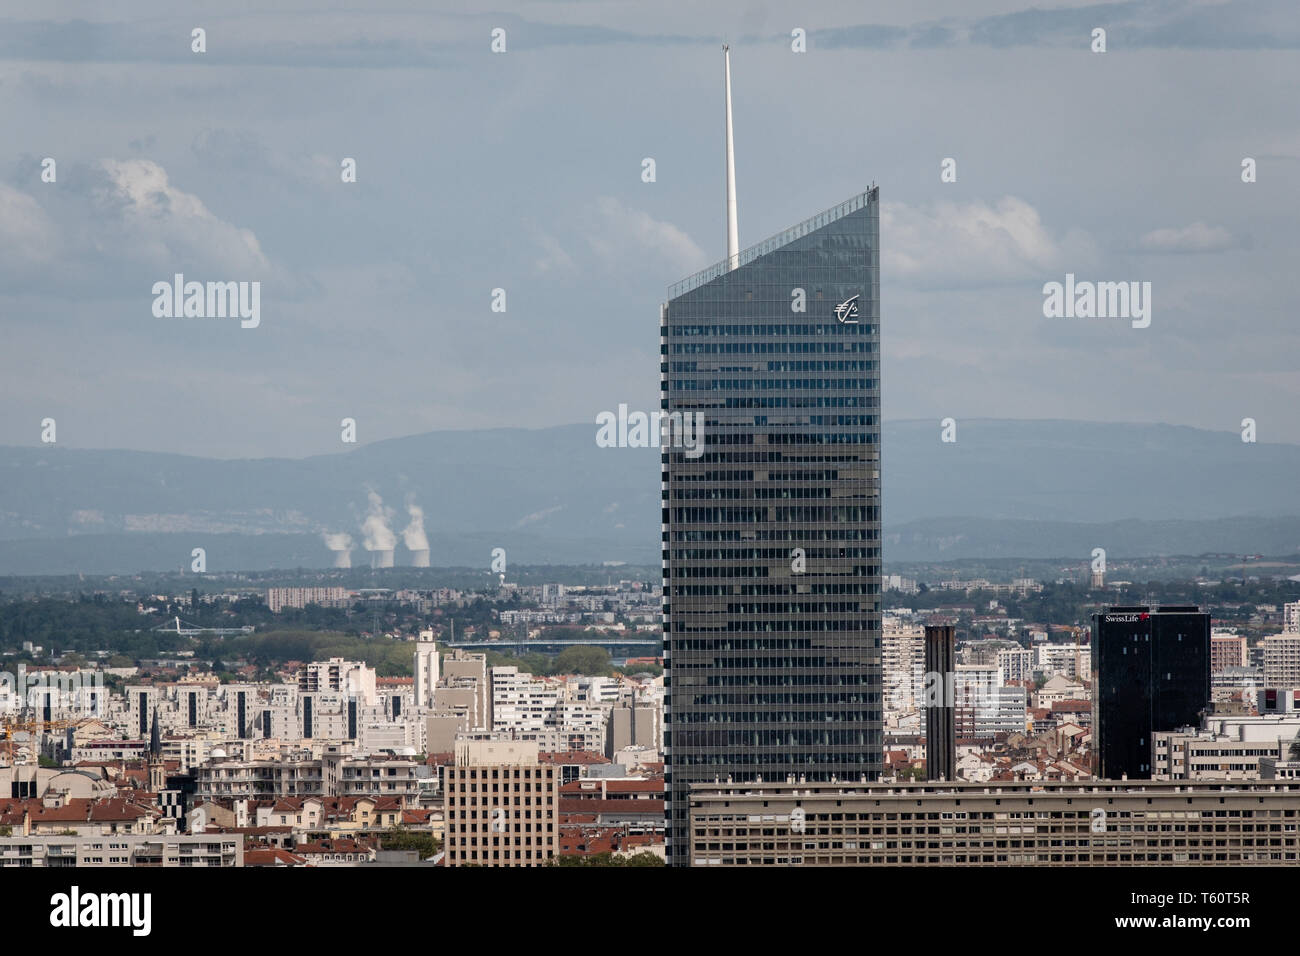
{"x":771,"y":536}
{"x":1151,"y":669}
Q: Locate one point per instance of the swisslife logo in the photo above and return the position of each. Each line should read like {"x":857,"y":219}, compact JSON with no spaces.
{"x":1127,"y":618}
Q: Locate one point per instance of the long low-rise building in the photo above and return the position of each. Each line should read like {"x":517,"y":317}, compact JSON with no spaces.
{"x":334,"y":774}
{"x":1104,"y":823}
{"x":121,"y":850}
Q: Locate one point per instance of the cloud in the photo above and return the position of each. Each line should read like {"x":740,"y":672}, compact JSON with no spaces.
{"x":114,"y":227}
{"x":538,"y":515}
{"x":553,"y":258}
{"x":1198,"y":237}
{"x":974,"y":244}
{"x":1173,"y":24}
{"x":167,"y":227}
{"x":27,"y":235}
{"x":619,"y":234}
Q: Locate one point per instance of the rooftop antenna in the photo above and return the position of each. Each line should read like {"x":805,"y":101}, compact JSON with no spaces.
{"x":733,"y":230}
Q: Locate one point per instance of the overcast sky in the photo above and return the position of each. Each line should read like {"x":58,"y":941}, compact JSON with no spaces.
{"x":522,"y":171}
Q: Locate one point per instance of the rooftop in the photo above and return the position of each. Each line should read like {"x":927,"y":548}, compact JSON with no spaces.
{"x":773,"y":243}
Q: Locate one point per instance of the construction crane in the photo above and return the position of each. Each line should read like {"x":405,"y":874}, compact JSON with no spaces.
{"x":10,"y":725}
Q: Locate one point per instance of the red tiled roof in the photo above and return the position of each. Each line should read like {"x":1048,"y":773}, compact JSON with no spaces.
{"x":638,"y":807}
{"x":273,"y":857}
{"x":79,"y":810}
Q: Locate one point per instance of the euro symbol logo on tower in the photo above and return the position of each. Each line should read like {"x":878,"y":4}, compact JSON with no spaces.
{"x":846,"y":313}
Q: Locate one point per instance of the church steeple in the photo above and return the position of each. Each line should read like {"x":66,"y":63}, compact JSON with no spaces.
{"x":154,"y":766}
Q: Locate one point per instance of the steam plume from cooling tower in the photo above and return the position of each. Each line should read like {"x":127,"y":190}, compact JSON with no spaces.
{"x":380,"y":540}
{"x":414,"y":537}
{"x":379,"y":537}
{"x":341,"y":545}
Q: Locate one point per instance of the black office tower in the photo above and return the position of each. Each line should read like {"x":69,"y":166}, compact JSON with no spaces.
{"x":940,"y":699}
{"x":771,"y":527}
{"x":1151,"y":673}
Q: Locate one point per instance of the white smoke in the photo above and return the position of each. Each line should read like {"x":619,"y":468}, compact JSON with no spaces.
{"x":341,"y":545}
{"x":337,"y":542}
{"x":379,"y":537}
{"x":413,"y":534}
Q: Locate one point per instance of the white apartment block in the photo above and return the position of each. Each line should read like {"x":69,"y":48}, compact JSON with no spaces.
{"x":123,"y":850}
{"x":1068,"y":660}
{"x":983,"y":707}
{"x":520,"y":702}
{"x":1015,"y":664}
{"x":597,"y":690}
{"x":426,"y":670}
{"x":1291,"y":617}
{"x":351,"y":678}
{"x":530,"y":709}
{"x":335,"y":773}
{"x":278,"y":598}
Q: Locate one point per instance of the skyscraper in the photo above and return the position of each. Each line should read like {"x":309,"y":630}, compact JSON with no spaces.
{"x":1152,"y":672}
{"x":771,"y":535}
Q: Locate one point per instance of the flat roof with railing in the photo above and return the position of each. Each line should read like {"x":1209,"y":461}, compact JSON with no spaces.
{"x":772,"y":244}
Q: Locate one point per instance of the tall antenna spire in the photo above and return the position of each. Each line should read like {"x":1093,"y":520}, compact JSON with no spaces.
{"x":733,"y":230}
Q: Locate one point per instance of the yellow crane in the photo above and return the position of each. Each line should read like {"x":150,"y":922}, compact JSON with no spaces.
{"x":12,"y":725}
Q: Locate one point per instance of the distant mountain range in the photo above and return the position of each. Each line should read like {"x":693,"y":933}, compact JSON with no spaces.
{"x":1004,"y":489}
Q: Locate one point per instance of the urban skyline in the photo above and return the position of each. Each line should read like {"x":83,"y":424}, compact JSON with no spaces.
{"x":338,"y":310}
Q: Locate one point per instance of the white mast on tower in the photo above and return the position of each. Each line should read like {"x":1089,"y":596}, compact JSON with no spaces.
{"x":733,"y":230}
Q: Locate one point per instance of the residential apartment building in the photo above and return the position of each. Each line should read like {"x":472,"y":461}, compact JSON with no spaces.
{"x":1282,"y":660}
{"x":1227,"y":650}
{"x":1073,"y":661}
{"x":335,"y":773}
{"x":123,"y":850}
{"x":279,"y":598}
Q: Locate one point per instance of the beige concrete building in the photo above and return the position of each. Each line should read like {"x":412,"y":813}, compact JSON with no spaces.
{"x":1282,"y":660}
{"x":501,"y":805}
{"x":1227,"y":650}
{"x":1108,"y":823}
